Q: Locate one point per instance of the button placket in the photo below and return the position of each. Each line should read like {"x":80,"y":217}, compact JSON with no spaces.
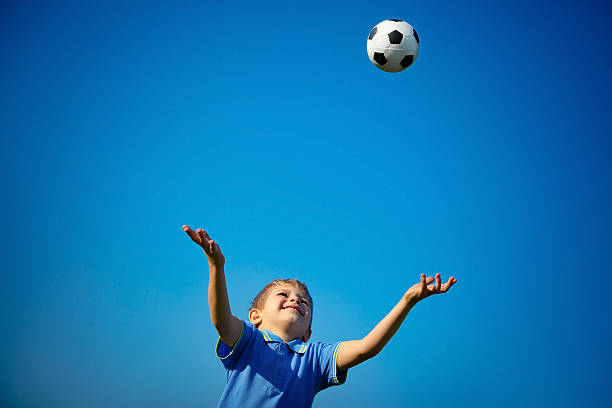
{"x":280,"y":366}
{"x":282,"y":355}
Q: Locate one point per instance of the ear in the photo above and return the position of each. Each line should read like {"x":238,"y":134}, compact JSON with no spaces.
{"x":306,"y":335}
{"x":255,"y":317}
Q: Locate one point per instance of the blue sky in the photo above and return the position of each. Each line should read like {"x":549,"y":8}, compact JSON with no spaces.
{"x":266,"y":124}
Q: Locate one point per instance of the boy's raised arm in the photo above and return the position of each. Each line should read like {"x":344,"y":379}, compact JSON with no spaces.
{"x":228,"y":326}
{"x":354,"y":352}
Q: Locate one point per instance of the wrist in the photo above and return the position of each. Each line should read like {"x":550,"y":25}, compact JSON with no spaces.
{"x":411,"y":298}
{"x":212,"y":266}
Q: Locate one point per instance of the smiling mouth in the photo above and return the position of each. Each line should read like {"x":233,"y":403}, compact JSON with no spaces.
{"x":295,"y":308}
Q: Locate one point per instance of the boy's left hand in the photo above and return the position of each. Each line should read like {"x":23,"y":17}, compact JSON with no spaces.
{"x":423,"y":289}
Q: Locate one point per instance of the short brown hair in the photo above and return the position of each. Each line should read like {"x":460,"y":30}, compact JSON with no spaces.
{"x":262,"y":296}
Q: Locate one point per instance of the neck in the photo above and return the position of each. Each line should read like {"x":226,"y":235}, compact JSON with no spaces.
{"x":280,"y":332}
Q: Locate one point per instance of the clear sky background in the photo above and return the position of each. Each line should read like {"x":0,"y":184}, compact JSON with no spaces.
{"x":266,"y":124}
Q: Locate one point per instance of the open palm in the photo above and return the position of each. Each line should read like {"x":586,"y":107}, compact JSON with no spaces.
{"x":425,"y":288}
{"x":210,"y":247}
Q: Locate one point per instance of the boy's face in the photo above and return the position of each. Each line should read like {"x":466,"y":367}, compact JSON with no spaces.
{"x":287,"y":311}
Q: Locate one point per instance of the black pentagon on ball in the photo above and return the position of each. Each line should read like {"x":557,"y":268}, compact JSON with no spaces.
{"x":395,"y":37}
{"x":394,"y":19}
{"x":407,"y":61}
{"x":372,"y":33}
{"x":415,"y":35}
{"x":379,"y":57}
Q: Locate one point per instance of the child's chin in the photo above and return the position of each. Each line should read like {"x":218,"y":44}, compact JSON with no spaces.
{"x":292,"y":320}
{"x":292,"y":313}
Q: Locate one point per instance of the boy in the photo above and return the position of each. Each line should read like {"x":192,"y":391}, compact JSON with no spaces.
{"x":268,"y":362}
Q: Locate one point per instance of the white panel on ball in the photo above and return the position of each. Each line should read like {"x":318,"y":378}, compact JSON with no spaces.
{"x":393,"y":45}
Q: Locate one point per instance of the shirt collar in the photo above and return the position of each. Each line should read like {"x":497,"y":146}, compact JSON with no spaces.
{"x":296,"y":345}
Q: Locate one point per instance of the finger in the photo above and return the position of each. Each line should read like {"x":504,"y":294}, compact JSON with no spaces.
{"x":203,"y":235}
{"x":447,"y":285}
{"x":423,"y":281}
{"x":192,"y":234}
{"x":430,"y":279}
{"x":438,"y":282}
{"x":206,"y":235}
{"x":204,"y":239}
{"x":212,"y":245}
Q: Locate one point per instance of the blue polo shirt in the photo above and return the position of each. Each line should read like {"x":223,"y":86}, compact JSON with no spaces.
{"x":265,"y":372}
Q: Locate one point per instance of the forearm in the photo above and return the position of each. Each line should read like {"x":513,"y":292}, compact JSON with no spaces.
{"x":221,"y":316}
{"x":218,"y":300}
{"x":355,"y":352}
{"x":380,"y":335}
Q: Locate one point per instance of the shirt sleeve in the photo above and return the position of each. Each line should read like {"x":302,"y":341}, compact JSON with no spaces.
{"x":329,"y":374}
{"x":230,"y":355}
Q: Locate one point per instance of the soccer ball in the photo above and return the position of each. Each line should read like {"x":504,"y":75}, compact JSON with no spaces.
{"x":393,"y":45}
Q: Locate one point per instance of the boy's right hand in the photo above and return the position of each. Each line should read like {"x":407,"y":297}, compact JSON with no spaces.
{"x":210,"y":247}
